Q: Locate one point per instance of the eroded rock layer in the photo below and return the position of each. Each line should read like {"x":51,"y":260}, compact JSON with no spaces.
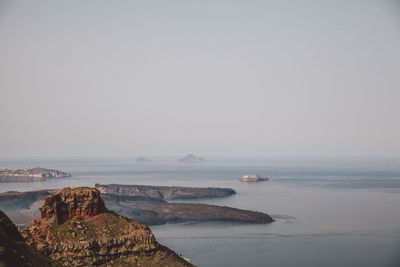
{"x":70,"y":203}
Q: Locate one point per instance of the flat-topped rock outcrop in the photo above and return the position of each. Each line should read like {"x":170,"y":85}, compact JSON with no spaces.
{"x":165,"y":192}
{"x":69,"y":203}
{"x":253,"y":178}
{"x":76,"y":229}
{"x":30,"y":175}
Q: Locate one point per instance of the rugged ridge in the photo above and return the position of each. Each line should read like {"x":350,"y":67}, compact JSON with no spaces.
{"x":76,"y":229}
{"x":165,"y":192}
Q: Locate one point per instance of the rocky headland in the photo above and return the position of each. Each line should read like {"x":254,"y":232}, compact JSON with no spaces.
{"x":76,"y":229}
{"x":165,"y":192}
{"x":30,"y":175}
{"x":191,"y":159}
{"x":254,"y":178}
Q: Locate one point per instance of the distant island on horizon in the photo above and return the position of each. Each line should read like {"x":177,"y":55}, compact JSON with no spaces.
{"x":190,"y":158}
{"x":143,"y":160}
{"x":30,"y":175}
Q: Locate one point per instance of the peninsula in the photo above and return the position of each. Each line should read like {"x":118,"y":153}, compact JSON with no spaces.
{"x":30,"y":175}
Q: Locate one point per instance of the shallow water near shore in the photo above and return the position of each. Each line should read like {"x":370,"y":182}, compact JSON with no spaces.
{"x":327,"y":213}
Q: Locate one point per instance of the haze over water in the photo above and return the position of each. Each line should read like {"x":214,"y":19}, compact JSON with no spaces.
{"x":328,"y":212}
{"x":209,"y":77}
{"x":271,"y":85}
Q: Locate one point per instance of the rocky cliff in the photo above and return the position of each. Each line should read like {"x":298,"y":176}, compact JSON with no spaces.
{"x":165,"y":192}
{"x":76,"y":229}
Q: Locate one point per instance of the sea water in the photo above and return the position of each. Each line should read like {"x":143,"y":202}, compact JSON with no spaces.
{"x":327,"y":212}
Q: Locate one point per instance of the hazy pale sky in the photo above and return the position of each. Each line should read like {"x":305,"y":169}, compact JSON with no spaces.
{"x":207,"y":77}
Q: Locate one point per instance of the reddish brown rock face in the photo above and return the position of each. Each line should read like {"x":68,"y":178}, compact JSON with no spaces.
{"x":70,"y":203}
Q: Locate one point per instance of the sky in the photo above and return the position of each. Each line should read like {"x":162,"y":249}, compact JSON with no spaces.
{"x":203,"y":77}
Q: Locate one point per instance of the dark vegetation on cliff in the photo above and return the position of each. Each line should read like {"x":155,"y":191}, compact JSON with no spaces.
{"x":76,"y":229}
{"x":15,"y":252}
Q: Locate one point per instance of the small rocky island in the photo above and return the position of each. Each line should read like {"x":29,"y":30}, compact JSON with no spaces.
{"x":30,"y":175}
{"x":191,"y":159}
{"x":253,"y":178}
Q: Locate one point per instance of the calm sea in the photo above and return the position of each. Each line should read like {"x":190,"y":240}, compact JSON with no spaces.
{"x":328,"y":212}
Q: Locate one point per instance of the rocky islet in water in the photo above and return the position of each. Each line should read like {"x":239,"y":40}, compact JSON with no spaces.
{"x":251,"y":178}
